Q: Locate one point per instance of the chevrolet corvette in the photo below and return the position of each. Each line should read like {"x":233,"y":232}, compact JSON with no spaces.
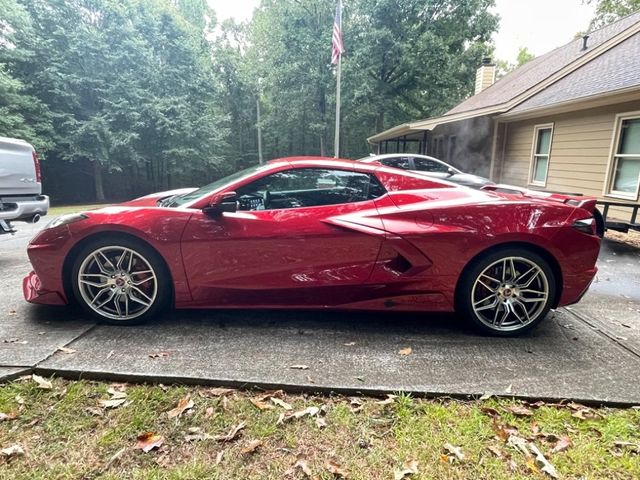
{"x":316,"y":233}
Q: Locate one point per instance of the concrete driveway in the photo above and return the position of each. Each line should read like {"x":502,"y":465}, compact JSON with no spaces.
{"x":589,"y":352}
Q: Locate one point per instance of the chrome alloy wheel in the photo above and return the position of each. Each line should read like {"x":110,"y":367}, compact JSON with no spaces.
{"x":117,"y":283}
{"x":510,"y":293}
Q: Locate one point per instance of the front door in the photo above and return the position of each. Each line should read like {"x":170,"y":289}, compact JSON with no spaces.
{"x":283,"y":246}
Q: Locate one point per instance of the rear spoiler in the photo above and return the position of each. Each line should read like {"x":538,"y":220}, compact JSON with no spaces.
{"x":579,"y":201}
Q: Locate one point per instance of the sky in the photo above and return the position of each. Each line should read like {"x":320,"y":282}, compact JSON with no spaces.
{"x":539,"y":25}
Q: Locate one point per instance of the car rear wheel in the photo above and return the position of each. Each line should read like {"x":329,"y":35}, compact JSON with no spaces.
{"x":507,"y":292}
{"x":120,"y":281}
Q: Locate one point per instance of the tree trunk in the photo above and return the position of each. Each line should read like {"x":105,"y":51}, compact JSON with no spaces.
{"x":380,"y":122}
{"x":97,"y":180}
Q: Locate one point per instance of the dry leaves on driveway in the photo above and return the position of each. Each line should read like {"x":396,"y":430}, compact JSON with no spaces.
{"x":405,"y":351}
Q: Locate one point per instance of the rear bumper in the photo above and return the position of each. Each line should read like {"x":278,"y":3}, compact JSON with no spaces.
{"x":23,"y":208}
{"x":34,"y":293}
{"x":575,"y":286}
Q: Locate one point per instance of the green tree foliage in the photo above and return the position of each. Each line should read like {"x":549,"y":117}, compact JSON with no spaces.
{"x":504,"y":67}
{"x":131,"y":96}
{"x":608,"y":11}
{"x":21,"y":115}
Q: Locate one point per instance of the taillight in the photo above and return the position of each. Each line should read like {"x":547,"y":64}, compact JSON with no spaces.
{"x":585,"y":225}
{"x":36,"y":164}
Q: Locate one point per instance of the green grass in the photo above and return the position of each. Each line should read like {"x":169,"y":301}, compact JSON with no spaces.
{"x":64,"y":438}
{"x":62,"y":210}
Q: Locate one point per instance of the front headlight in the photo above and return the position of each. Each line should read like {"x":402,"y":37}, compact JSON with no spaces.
{"x":65,"y":220}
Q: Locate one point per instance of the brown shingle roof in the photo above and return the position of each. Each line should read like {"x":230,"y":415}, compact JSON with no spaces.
{"x":541,"y":68}
{"x":615,"y":69}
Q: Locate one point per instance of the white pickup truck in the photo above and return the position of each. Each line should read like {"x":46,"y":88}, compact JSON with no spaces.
{"x":21,"y":196}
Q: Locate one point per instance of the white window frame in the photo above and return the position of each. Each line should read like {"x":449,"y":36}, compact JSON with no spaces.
{"x":608,"y":190}
{"x":534,"y":155}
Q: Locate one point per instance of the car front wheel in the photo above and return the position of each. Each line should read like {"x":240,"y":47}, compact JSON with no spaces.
{"x":120,"y":281}
{"x":507,"y":292}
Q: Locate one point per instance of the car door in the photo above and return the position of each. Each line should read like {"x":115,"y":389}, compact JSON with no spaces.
{"x":289,"y":242}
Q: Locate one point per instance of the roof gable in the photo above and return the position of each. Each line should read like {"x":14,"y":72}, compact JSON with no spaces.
{"x":533,"y":73}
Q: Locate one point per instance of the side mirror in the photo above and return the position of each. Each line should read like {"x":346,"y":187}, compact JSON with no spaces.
{"x":223,"y":202}
{"x":451,"y":171}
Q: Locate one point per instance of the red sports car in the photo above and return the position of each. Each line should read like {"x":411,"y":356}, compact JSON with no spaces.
{"x":323,"y":233}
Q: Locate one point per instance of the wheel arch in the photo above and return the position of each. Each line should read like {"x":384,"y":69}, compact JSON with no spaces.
{"x":544,"y":253}
{"x":69,"y":260}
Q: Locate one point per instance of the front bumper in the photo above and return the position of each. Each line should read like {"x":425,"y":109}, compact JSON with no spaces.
{"x":34,"y":293}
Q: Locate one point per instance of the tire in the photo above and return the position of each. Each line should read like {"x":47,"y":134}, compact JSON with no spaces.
{"x":502,"y":305}
{"x":120,"y":281}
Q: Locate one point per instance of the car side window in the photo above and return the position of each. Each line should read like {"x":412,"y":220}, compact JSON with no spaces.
{"x":403,"y":162}
{"x":308,"y":187}
{"x":427,"y":165}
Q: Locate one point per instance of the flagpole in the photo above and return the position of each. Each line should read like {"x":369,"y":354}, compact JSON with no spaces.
{"x":337,"y":134}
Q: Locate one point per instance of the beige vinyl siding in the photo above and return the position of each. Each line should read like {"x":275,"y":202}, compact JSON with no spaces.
{"x":580,"y":151}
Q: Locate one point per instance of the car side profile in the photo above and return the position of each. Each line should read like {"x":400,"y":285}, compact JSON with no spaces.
{"x":429,"y":166}
{"x":21,"y":196}
{"x":323,"y":234}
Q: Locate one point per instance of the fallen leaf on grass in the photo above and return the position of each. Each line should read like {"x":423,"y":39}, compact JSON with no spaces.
{"x":519,"y":443}
{"x":159,"y":354}
{"x":561,"y":445}
{"x":496,"y":451}
{"x":336,"y":469}
{"x":232,"y":434}
{"x":198,"y":437}
{"x":116,"y":393}
{"x":453,"y":452}
{"x":309,"y":411}
{"x":96,"y":412}
{"x":299,"y":367}
{"x":519,"y":410}
{"x":388,"y":401}
{"x":148,"y":441}
{"x":405,"y":351}
{"x":321,"y":422}
{"x":8,"y":416}
{"x":251,"y":447}
{"x":114,"y":403}
{"x":208,"y":413}
{"x":281,"y":403}
{"x":586,"y":413}
{"x":66,"y":350}
{"x":260,"y":404}
{"x":542,"y":462}
{"x":629,"y":446}
{"x":184,"y":404}
{"x":301,"y":463}
{"x":219,"y":457}
{"x":13,"y":451}
{"x":215,"y":392}
{"x":492,"y":412}
{"x":42,"y":383}
{"x":409,"y":468}
{"x":504,"y":432}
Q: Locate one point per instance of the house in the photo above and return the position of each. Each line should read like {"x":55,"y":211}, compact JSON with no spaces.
{"x":567,"y":121}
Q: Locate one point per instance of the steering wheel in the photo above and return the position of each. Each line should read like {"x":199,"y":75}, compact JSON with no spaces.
{"x":251,"y":201}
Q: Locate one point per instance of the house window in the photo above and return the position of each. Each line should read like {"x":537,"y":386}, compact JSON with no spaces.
{"x":625,"y":165}
{"x":540,"y":157}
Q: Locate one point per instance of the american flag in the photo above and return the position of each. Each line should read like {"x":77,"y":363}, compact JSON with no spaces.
{"x":337,"y":46}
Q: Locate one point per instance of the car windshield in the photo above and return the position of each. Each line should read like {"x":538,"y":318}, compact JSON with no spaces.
{"x":207,"y":189}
